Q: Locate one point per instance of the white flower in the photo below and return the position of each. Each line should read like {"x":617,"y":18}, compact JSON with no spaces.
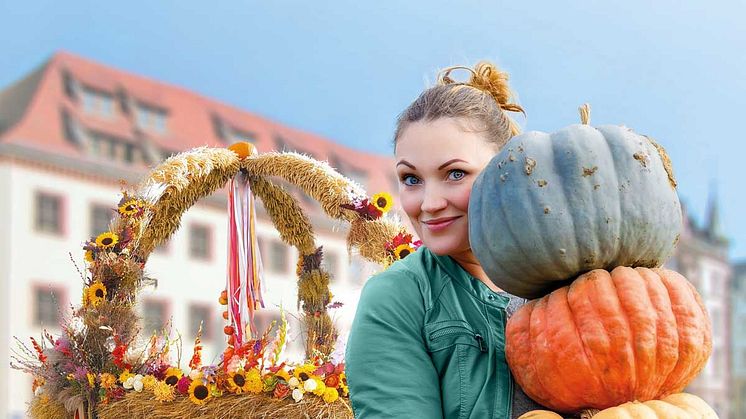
{"x":293,"y":382}
{"x":297,"y":394}
{"x":195,"y":374}
{"x":310,"y":385}
{"x":137,"y":383}
{"x":338,"y":355}
{"x":129,"y":383}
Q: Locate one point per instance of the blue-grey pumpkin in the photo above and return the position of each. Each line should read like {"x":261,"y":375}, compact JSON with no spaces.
{"x":549,"y":207}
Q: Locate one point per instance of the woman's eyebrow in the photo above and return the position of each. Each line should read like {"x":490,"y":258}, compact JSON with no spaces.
{"x":450,"y":162}
{"x":406,"y":163}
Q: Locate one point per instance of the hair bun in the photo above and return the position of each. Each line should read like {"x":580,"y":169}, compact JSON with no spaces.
{"x":486,"y":77}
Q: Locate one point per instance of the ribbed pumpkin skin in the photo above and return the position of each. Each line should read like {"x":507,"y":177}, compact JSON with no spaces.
{"x":675,"y":406}
{"x":549,"y":207}
{"x":608,"y":338}
{"x":540,"y":414}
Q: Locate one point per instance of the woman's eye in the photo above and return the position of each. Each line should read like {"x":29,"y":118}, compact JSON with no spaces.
{"x":456,"y":174}
{"x":409,"y":180}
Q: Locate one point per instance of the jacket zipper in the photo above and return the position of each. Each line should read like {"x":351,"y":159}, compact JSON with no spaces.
{"x":457,"y":330}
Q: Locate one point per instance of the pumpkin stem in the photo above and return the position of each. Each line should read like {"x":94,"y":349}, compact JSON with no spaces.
{"x":585,"y":114}
{"x":588,"y":413}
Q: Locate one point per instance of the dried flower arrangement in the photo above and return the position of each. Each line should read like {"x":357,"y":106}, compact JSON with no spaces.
{"x":96,"y":367}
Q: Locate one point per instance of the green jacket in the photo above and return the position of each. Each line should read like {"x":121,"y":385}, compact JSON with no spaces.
{"x":428,"y":341}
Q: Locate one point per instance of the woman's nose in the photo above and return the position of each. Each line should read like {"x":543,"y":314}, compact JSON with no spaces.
{"x":433,"y":202}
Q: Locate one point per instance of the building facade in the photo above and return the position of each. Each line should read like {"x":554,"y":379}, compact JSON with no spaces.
{"x":70,"y":131}
{"x":738,"y":330}
{"x":702,"y":257}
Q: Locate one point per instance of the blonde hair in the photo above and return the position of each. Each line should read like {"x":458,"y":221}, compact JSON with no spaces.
{"x":484,"y":99}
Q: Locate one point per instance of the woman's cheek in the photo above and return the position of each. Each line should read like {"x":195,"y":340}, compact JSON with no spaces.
{"x":461,"y":196}
{"x":411,"y":204}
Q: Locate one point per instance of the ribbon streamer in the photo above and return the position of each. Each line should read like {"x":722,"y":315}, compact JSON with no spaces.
{"x":244,"y":261}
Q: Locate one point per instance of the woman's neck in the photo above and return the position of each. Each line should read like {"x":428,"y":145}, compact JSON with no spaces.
{"x":469,"y":262}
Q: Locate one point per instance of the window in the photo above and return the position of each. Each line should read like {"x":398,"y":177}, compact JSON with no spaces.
{"x":98,"y":103}
{"x":278,"y":257}
{"x":238,"y":136}
{"x":200,"y":238}
{"x":359,"y":176}
{"x":264,"y":317}
{"x":100,"y":217}
{"x":153,"y":317}
{"x":48,"y":213}
{"x":200,"y":313}
{"x":331,"y":264}
{"x":132,"y":154}
{"x":150,"y":118}
{"x":47,"y":306}
{"x":163,"y":248}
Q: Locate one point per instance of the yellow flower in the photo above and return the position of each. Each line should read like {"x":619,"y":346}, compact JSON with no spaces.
{"x":199,"y":393}
{"x":345,"y":390}
{"x":125,"y":375}
{"x":237,"y":382}
{"x":163,"y":392}
{"x":173,"y":375}
{"x":107,"y":240}
{"x":254,"y":383}
{"x":108,"y":381}
{"x":85,"y":297}
{"x":91,"y":379}
{"x":283,"y":374}
{"x":148,"y":382}
{"x":403,"y":250}
{"x":382,"y":201}
{"x":330,"y":395}
{"x":131,"y":207}
{"x":88,"y":256}
{"x":320,"y":387}
{"x":304,"y":372}
{"x":96,"y":293}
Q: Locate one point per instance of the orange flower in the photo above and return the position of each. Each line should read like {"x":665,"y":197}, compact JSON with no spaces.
{"x":332,"y":381}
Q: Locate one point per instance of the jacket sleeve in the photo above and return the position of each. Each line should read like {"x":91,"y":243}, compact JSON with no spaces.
{"x":389,"y":372}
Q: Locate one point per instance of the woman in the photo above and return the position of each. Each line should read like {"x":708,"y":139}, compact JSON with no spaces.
{"x":429,"y":333}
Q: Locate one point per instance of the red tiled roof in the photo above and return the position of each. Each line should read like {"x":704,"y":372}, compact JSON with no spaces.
{"x":190,"y":119}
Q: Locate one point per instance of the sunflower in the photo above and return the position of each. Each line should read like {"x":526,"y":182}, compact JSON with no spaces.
{"x":107,"y":240}
{"x":199,"y":393}
{"x":283,"y":374}
{"x":95,"y":294}
{"x":88,"y":256}
{"x":131,"y":207}
{"x":403,"y":250}
{"x":237,"y":382}
{"x":304,"y":372}
{"x":173,"y":375}
{"x":382,"y":201}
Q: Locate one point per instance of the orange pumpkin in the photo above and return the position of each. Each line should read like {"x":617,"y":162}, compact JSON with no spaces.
{"x":608,"y":338}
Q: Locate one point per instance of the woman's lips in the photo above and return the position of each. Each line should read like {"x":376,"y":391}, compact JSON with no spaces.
{"x":439,"y":224}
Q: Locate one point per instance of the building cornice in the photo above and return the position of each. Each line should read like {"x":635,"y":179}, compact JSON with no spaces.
{"x":99,"y":171}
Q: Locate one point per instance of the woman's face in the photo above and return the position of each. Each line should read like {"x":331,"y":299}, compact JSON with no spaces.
{"x":437,"y":163}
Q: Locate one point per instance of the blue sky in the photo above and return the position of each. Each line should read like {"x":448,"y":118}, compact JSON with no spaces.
{"x":670,"y":69}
